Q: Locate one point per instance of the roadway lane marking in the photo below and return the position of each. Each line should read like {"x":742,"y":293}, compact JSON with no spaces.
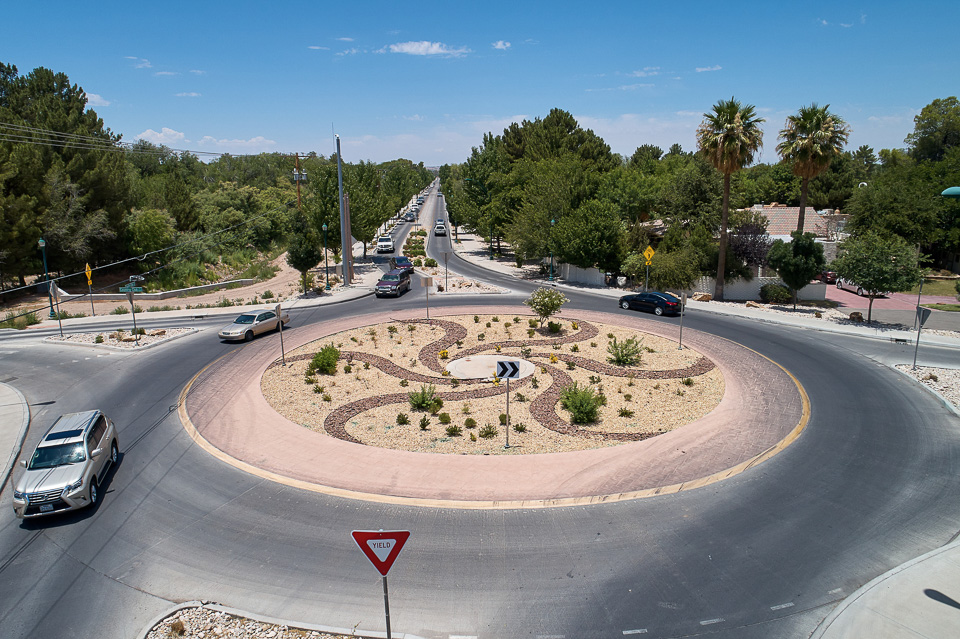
{"x":463,"y":637}
{"x":707,"y":622}
{"x":782,"y":606}
{"x":835,"y":591}
{"x":639,"y":631}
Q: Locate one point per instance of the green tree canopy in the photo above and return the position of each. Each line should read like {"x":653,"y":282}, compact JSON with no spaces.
{"x":878,"y":264}
{"x":798,"y":261}
{"x":936,"y":129}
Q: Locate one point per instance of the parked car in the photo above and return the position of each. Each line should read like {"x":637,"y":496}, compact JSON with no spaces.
{"x":401,"y":263}
{"x":385,"y":244}
{"x":847,"y":285}
{"x":66,"y":468}
{"x":393,"y":283}
{"x":828,"y":277}
{"x":653,"y":302}
{"x":253,"y":323}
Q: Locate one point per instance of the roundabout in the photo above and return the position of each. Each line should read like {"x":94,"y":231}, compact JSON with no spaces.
{"x":256,"y":413}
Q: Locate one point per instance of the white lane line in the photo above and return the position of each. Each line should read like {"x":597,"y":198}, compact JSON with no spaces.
{"x":782,"y":606}
{"x":835,"y":591}
{"x":707,"y":622}
{"x":463,"y":637}
{"x":638,"y":631}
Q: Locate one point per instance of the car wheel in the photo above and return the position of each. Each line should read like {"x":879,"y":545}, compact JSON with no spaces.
{"x":859,"y":291}
{"x":114,"y":452}
{"x":94,"y":495}
{"x":248,"y":336}
{"x":625,"y":304}
{"x":657,"y":310}
{"x":838,"y":284}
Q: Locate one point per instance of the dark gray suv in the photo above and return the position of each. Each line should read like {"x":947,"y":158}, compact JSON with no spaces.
{"x":66,"y":468}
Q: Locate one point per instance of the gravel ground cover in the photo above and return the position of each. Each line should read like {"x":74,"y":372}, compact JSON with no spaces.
{"x":205,"y":623}
{"x":380,"y":365}
{"x":946,"y":381}
{"x":122,"y":339}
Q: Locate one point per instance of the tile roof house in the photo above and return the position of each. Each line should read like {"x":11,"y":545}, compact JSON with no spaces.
{"x":782,"y":220}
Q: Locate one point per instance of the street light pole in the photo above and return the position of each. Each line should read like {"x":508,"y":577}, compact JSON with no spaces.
{"x":326,"y":264}
{"x":46,"y":274}
{"x":552,"y":222}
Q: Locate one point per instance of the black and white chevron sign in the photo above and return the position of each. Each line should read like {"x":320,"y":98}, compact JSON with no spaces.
{"x":507,"y":369}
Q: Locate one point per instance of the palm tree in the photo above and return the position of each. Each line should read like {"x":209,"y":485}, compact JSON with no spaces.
{"x":728,"y":138}
{"x":810,"y":140}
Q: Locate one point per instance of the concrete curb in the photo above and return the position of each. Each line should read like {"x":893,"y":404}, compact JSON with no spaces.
{"x":863,"y":590}
{"x":349,"y":632}
{"x":138,"y":349}
{"x":943,"y":400}
{"x":21,"y":436}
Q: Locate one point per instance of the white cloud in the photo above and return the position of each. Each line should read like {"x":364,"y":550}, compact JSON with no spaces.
{"x":501,"y":44}
{"x":352,"y":51}
{"x":823,"y":22}
{"x":166,"y":74}
{"x":645,"y":72}
{"x":427,"y":48}
{"x":139,"y":63}
{"x":191,"y":94}
{"x":413,"y":118}
{"x":318,"y":48}
{"x":623,"y":87}
{"x":197,"y":72}
{"x":345,"y":39}
{"x":96,"y":101}
{"x":845,"y":25}
{"x":253,"y":145}
{"x":166,"y":136}
{"x":715,"y":67}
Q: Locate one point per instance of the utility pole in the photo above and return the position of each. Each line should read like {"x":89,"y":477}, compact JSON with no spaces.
{"x":346,"y":247}
{"x":298,"y":177}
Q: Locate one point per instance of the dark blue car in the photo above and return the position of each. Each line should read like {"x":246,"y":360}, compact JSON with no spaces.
{"x":652,"y":302}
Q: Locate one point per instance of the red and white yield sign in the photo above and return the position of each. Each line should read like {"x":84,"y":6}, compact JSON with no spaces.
{"x":381,"y":546}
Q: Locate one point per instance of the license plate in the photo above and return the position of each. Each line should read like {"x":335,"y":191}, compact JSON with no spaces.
{"x":46,"y":508}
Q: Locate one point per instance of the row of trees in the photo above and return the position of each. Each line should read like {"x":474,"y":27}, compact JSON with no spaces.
{"x":548,"y":186}
{"x":65,"y":177}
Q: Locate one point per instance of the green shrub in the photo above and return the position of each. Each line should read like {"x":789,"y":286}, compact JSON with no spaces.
{"x":325,"y":361}
{"x":534,"y":383}
{"x":454,"y":431}
{"x":582,"y":402}
{"x":625,"y":353}
{"x":267,"y":294}
{"x":98,"y":339}
{"x":520,"y":428}
{"x":520,"y":397}
{"x":495,"y":318}
{"x":571,"y":366}
{"x":404,"y":383}
{"x":531,"y":332}
{"x":19,"y":322}
{"x":444,"y":418}
{"x":348,"y":368}
{"x":775,"y":294}
{"x":424,"y":422}
{"x":318,"y":389}
{"x":476,"y":319}
{"x":687,"y":381}
{"x":473,"y":437}
{"x":423,"y":399}
{"x":120,"y":310}
{"x":532,"y":323}
{"x":470,"y":422}
{"x":489,"y":431}
{"x":402,"y":419}
{"x":503,"y":419}
{"x":626,"y":412}
{"x":554,"y":327}
{"x":429,"y":262}
{"x":326,"y":397}
{"x":574,"y":349}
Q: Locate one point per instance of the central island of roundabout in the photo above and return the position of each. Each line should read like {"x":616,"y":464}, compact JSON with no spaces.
{"x":413,"y":413}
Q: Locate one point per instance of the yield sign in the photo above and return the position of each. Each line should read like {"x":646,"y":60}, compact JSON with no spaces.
{"x":508,"y":369}
{"x":381,"y":546}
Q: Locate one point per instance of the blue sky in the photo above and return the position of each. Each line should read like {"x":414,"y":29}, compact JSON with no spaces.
{"x":425,"y":80}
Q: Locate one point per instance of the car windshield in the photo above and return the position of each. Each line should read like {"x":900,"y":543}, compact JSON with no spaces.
{"x":245,"y":319}
{"x":385,"y":239}
{"x":402,"y":261}
{"x":60,"y":455}
{"x":391,"y":278}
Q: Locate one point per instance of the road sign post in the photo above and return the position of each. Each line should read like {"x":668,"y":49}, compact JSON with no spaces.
{"x":283,"y":357}
{"x":89,"y":273}
{"x":426,"y":283}
{"x":648,"y":256}
{"x":382,"y":548}
{"x":683,"y":304}
{"x":508,"y":369}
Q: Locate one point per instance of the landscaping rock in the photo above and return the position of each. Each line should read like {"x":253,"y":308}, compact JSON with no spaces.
{"x":752,"y":304}
{"x":701,"y":297}
{"x":856,"y":316}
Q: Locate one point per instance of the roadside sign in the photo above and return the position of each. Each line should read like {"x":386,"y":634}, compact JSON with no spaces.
{"x":648,"y":254}
{"x":131,"y":289}
{"x":381,"y":546}
{"x":508,"y":369}
{"x":426,"y":282}
{"x":89,"y":275}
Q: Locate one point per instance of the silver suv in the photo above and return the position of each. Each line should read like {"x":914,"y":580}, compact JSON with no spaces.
{"x":65,"y":470}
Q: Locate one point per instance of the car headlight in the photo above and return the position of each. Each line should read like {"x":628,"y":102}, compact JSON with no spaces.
{"x":75,"y":485}
{"x":18,"y":495}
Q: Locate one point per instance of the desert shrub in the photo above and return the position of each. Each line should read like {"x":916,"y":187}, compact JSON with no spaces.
{"x":454,"y":430}
{"x":625,"y":353}
{"x":423,"y":399}
{"x":534,"y":383}
{"x":532,"y":323}
{"x":531,"y":332}
{"x":444,"y":418}
{"x":489,"y":431}
{"x":626,"y":412}
{"x":473,"y":437}
{"x":520,"y":428}
{"x":687,"y":381}
{"x":574,"y":349}
{"x":503,"y":419}
{"x":554,"y":327}
{"x":470,"y":422}
{"x":267,"y":294}
{"x":325,"y":361}
{"x":571,"y":366}
{"x":429,"y":262}
{"x":582,"y":403}
{"x":444,"y":354}
{"x":348,"y":369}
{"x":402,"y":419}
{"x":424,"y":422}
{"x":775,"y":294}
{"x":476,"y":319}
{"x":404,"y":383}
{"x":120,"y":310}
{"x":488,"y":324}
{"x":520,"y":397}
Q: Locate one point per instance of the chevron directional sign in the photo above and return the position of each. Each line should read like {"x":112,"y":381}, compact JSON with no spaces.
{"x":508,"y":369}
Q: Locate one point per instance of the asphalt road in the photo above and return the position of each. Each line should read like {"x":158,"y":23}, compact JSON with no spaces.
{"x":870,"y":484}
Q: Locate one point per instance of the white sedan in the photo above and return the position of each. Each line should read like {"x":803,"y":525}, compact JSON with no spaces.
{"x":253,"y":323}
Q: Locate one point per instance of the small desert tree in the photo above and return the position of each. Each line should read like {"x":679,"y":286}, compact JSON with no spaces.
{"x":878,"y":265}
{"x":797,"y":262}
{"x":546,"y":302}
